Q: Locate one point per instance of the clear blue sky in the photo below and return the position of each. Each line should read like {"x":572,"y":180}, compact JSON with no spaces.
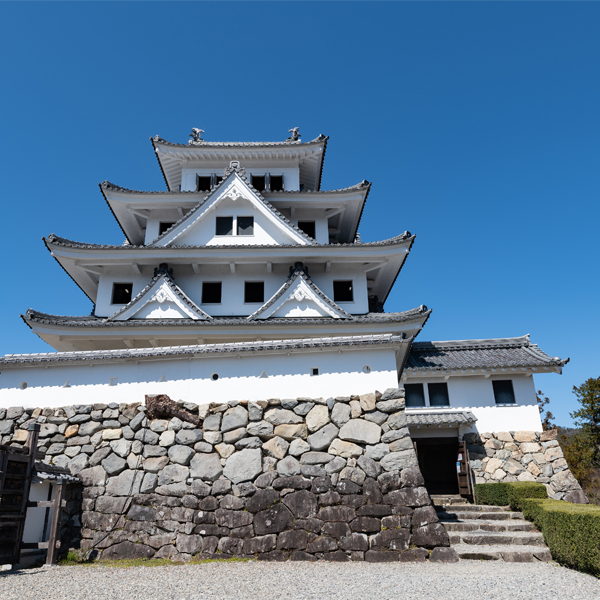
{"x":479,"y":124}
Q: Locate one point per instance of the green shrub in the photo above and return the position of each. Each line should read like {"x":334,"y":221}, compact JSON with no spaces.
{"x":571,"y":531}
{"x":503,"y":494}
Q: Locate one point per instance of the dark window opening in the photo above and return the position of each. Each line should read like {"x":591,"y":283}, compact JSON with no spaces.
{"x":438,"y":394}
{"x":254,"y":291}
{"x":414,"y":395}
{"x":342,"y":291}
{"x":276,"y":183}
{"x":504,"y":392}
{"x":217,"y":180}
{"x":162,"y":227}
{"x":314,"y":371}
{"x":211,"y":292}
{"x":308,"y":227}
{"x":121,"y":293}
{"x":245,"y":225}
{"x":203,"y":183}
{"x":258,"y":181}
{"x":224,"y":226}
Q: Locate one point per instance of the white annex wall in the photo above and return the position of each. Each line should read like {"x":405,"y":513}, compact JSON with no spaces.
{"x":476,"y":394}
{"x":340,"y":374}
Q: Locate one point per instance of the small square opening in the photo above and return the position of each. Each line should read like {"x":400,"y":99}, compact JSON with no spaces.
{"x":342,"y":291}
{"x":414,"y":395}
{"x":121,"y":293}
{"x":245,"y":225}
{"x":314,"y":371}
{"x":254,"y":291}
{"x":308,"y":227}
{"x":211,"y":292}
{"x":276,"y":183}
{"x":504,"y":392}
{"x":224,"y":226}
{"x":203,"y":183}
{"x":438,"y":394}
{"x":164,"y":226}
{"x":258,"y":181}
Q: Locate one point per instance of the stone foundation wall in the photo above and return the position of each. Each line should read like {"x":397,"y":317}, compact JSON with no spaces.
{"x":304,"y":478}
{"x":523,"y":456}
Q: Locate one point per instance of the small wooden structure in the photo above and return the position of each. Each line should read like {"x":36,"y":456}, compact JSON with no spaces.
{"x":463,"y":471}
{"x":18,"y":468}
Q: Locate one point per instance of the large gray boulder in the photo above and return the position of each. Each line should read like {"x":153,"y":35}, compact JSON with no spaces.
{"x":206,"y":466}
{"x":125,"y":484}
{"x":244,"y":465}
{"x":281,"y":416}
{"x":173,"y":474}
{"x":360,"y":431}
{"x":322,"y":438}
{"x":234,"y":418}
{"x":182,"y":455}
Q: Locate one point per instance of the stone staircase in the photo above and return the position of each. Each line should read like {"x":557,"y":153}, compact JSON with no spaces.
{"x":491,"y":533}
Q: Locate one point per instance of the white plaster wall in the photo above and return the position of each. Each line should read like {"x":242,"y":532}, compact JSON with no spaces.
{"x":476,"y":394}
{"x":341,"y":373}
{"x":291,"y":174}
{"x":232,"y":303}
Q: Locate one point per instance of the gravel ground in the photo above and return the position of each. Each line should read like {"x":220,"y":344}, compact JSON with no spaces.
{"x":303,"y":581}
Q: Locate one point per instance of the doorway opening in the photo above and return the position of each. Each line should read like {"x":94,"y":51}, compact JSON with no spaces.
{"x":437,"y":461}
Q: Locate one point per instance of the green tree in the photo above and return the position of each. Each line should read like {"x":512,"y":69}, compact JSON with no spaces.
{"x":588,"y":416}
{"x":547,"y":418}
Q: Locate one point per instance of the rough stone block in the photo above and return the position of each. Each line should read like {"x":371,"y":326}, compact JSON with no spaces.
{"x":275,"y":519}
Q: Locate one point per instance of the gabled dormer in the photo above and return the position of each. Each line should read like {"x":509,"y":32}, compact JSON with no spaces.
{"x":299,"y":297}
{"x":162,"y":298}
{"x":233,"y":214}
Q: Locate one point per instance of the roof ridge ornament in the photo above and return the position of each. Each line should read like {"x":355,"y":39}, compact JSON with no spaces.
{"x":298,"y":267}
{"x":235,"y":167}
{"x":163,"y":269}
{"x":295,"y":137}
{"x":196,"y":136}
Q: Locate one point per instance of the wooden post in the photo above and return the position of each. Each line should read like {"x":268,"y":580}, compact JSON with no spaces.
{"x":55,"y":524}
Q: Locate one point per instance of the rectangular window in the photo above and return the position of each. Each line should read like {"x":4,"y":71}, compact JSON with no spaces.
{"x":308,"y":227}
{"x":258,"y":181}
{"x":162,"y":227}
{"x":504,"y":392}
{"x":276,"y":183}
{"x":217,"y":180}
{"x":211,"y":292}
{"x":254,"y":291}
{"x":342,"y":291}
{"x":438,"y":394}
{"x":224,"y":226}
{"x":245,"y":225}
{"x":203,"y":183}
{"x":121,"y":293}
{"x":414,"y":395}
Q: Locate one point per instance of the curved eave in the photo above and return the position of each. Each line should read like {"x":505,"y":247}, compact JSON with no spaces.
{"x":199,"y":350}
{"x":231,"y":151}
{"x":81,"y":261}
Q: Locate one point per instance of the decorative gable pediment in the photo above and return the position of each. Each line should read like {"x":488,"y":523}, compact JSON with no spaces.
{"x":300,"y":298}
{"x":234,"y":195}
{"x":162,"y":298}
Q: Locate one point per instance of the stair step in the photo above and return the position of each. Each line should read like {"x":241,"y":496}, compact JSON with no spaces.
{"x":480,"y":525}
{"x":456,"y":515}
{"x":471,"y":508}
{"x":506,"y":553}
{"x":494,"y":538}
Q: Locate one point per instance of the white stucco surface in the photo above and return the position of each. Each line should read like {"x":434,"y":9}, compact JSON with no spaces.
{"x":189,"y":379}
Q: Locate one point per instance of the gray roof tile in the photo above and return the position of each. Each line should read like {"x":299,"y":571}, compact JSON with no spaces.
{"x":207,"y":349}
{"x":415,"y":314}
{"x":464,"y":417}
{"x":479,"y":354}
